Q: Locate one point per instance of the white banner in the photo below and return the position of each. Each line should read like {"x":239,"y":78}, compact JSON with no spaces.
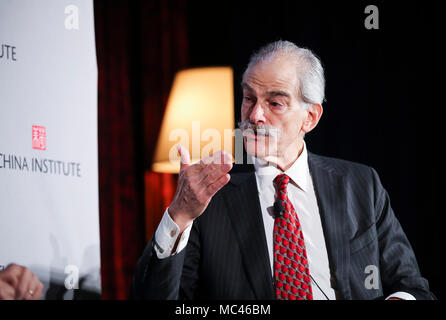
{"x":49,"y":218}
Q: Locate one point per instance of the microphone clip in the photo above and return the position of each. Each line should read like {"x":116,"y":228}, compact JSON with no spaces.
{"x":279,"y":209}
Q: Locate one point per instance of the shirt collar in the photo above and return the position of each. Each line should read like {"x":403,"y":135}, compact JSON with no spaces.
{"x":298,"y":172}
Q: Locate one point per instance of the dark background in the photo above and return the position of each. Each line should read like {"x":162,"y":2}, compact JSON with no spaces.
{"x":383,"y":106}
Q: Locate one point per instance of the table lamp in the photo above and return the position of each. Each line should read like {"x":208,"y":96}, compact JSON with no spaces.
{"x":199,"y":116}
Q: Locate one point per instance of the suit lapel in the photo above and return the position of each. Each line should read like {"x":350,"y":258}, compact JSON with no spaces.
{"x":332,"y":202}
{"x":245,"y":214}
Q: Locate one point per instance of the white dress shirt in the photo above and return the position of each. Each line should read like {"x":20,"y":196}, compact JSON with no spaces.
{"x":302,"y":195}
{"x":166,"y":235}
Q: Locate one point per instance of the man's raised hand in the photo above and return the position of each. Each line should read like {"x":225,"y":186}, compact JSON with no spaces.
{"x":197,"y":184}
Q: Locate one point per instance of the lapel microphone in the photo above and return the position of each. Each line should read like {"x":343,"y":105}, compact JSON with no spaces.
{"x":278,"y":209}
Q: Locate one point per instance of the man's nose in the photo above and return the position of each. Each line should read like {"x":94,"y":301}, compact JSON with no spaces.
{"x":257,"y":114}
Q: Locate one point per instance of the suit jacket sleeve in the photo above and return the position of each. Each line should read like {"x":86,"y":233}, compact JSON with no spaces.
{"x":171,"y":278}
{"x":398,"y":266}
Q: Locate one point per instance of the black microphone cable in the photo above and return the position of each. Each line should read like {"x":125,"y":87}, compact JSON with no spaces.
{"x":319,"y":287}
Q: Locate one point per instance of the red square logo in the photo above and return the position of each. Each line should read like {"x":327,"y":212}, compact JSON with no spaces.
{"x":39,"y":138}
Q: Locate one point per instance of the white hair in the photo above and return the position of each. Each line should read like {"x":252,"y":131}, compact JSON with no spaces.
{"x":309,"y":68}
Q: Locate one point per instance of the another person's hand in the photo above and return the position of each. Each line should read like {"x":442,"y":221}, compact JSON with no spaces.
{"x":19,"y":283}
{"x":197,"y":184}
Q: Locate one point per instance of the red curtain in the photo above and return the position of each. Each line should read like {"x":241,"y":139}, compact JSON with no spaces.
{"x":165,"y":29}
{"x":160,"y":190}
{"x":140,"y":45}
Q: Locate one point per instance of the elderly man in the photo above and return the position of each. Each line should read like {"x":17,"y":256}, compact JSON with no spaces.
{"x":293,"y":225}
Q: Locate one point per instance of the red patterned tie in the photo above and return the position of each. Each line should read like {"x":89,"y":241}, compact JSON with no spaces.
{"x":291,"y":270}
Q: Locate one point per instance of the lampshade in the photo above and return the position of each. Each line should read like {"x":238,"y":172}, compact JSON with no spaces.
{"x":199,"y":116}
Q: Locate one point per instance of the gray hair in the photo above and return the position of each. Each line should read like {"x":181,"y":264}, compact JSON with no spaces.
{"x":309,"y":68}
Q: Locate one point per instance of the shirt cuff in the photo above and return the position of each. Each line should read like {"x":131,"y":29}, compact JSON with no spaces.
{"x":401,"y":295}
{"x":166,"y":235}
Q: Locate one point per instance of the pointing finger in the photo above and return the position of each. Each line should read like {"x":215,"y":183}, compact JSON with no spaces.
{"x":184,"y":157}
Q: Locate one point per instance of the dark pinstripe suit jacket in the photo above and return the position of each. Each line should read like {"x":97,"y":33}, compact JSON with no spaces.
{"x":227,"y":257}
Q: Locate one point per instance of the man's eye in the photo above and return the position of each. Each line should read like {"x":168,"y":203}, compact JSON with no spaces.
{"x":247,"y":99}
{"x":276,"y":105}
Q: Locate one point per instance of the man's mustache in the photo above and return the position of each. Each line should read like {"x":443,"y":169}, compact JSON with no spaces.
{"x":258,"y":129}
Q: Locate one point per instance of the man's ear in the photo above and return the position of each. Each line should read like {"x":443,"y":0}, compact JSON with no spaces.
{"x":314,"y":113}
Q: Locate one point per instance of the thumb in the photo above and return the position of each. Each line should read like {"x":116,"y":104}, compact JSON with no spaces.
{"x":184,"y":157}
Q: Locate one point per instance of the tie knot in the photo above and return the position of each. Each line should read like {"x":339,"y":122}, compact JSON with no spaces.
{"x":281,"y":181}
